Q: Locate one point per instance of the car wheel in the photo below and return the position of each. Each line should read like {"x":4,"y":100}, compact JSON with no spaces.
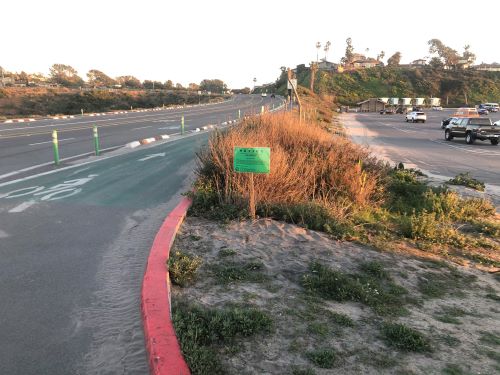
{"x":469,"y":138}
{"x":447,"y":135}
{"x":406,"y":120}
{"x":423,"y":121}
{"x":494,"y":142}
{"x":413,"y":120}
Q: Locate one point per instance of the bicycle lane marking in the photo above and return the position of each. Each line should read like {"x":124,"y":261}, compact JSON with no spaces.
{"x":36,"y":194}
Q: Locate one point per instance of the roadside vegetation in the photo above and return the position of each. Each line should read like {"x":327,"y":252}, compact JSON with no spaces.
{"x":16,"y":102}
{"x":324,"y":182}
{"x":378,"y":286}
{"x":465,"y":179}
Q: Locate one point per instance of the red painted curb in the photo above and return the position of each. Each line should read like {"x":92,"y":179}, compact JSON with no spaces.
{"x":164,"y":353}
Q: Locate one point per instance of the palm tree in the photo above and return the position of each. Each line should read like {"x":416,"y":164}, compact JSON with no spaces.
{"x":318,"y":46}
{"x":327,"y":48}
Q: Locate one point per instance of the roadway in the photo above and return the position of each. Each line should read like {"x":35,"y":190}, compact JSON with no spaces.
{"x":74,"y":240}
{"x":422,"y":145}
{"x":28,"y":144}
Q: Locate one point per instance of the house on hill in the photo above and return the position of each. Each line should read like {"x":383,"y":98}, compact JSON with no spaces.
{"x":495,"y":67}
{"x":366,"y":63}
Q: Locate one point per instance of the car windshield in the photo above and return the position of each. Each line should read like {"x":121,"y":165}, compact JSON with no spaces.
{"x":420,"y":113}
{"x":479,"y":121}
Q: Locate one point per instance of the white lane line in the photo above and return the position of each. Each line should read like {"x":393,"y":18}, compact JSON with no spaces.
{"x":41,"y":143}
{"x":23,"y":206}
{"x":396,"y":128}
{"x":142,"y":127}
{"x":462,"y":148}
{"x":170,"y":127}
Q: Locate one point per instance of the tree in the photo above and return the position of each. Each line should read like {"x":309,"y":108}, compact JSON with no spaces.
{"x":213,"y":85}
{"x":178,"y":86}
{"x":314,"y":69}
{"x":169,"y":84}
{"x":381,"y":55}
{"x":394,"y":60}
{"x":193,"y":87}
{"x":65,"y":75}
{"x":436,"y":63}
{"x":447,"y":54}
{"x":96,"y":78}
{"x":129,"y":82}
{"x":349,"y":52}
{"x":468,"y":55}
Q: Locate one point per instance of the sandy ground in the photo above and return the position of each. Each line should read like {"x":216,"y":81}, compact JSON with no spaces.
{"x":286,"y":252}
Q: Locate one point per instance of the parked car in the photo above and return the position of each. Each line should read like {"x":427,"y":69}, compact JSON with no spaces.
{"x":473,"y":128}
{"x":482,"y":111}
{"x":387,"y":111}
{"x":491,"y":107}
{"x":264,"y":94}
{"x":416,"y":117}
{"x":445,"y":122}
{"x":466,"y":112}
{"x":437,"y":108}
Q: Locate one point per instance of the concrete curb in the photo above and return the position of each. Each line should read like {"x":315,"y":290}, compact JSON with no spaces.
{"x":164,"y":352}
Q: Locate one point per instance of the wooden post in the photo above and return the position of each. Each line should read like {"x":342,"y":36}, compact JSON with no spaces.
{"x":251,"y":200}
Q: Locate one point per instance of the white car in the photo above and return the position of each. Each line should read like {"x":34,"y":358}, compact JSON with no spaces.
{"x":437,"y":108}
{"x":416,"y":117}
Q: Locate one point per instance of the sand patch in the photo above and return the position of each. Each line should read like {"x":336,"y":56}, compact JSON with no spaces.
{"x":454,"y":307}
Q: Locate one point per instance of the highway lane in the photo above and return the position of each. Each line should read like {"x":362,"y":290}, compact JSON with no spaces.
{"x":27,"y":144}
{"x":423,"y":145}
{"x":74,"y":243}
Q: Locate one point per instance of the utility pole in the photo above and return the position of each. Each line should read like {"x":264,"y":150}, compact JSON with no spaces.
{"x":295,"y":92}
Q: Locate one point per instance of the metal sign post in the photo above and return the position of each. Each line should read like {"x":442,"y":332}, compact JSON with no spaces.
{"x":252,"y":160}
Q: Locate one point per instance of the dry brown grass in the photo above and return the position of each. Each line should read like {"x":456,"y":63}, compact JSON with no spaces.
{"x":308,"y":164}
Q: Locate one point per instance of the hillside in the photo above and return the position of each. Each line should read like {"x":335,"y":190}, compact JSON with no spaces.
{"x":19,"y":102}
{"x":452,"y":87}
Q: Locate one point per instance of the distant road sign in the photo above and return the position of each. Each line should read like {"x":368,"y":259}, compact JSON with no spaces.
{"x":252,"y":159}
{"x":293,"y":82}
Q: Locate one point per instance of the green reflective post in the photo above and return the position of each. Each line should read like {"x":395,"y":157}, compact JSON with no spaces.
{"x":239,"y":114}
{"x":182,"y":125}
{"x":96,"y":140}
{"x":55,"y":146}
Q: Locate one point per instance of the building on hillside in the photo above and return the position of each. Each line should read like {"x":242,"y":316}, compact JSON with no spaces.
{"x":328,"y":66}
{"x":6,"y":81}
{"x":418,"y":63}
{"x":464,"y":64}
{"x":495,"y":67}
{"x":371,"y":105}
{"x":367,"y":63}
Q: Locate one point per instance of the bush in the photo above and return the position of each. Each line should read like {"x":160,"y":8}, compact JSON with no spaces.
{"x":182,"y":268}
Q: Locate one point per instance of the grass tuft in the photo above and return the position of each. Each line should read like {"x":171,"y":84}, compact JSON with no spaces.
{"x":405,"y":338}
{"x":323,"y":358}
{"x":232,"y":272}
{"x":201,"y":331}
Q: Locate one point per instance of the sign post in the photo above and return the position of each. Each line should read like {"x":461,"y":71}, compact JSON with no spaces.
{"x":182,"y":125}
{"x":252,"y":160}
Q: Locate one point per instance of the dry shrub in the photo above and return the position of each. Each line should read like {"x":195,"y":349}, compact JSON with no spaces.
{"x":308,"y":164}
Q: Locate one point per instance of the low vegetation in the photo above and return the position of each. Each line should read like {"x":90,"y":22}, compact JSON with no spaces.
{"x":203,"y":332}
{"x":324,"y":182}
{"x":405,"y":338}
{"x":465,"y":179}
{"x":182,"y":268}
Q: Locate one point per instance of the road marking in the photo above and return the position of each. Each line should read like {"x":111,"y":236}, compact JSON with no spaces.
{"x":169,"y":127}
{"x":23,"y":206}
{"x":142,"y":127}
{"x":396,"y":128}
{"x":465,"y":149}
{"x":41,"y":143}
{"x":151,"y":156}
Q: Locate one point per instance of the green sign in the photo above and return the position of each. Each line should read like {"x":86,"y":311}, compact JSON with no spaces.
{"x":252,"y":159}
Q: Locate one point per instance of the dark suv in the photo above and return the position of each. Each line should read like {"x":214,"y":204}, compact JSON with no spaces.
{"x":472,"y":128}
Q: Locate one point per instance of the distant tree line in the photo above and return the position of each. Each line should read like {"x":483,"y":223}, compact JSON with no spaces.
{"x":66,"y":76}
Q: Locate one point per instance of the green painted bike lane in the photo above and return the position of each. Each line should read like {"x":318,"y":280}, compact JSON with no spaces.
{"x":74,"y":245}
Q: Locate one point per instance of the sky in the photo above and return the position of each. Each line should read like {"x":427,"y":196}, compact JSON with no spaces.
{"x":188,"y":41}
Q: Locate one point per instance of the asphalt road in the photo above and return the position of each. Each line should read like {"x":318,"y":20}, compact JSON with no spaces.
{"x":74,"y":242}
{"x":423,"y":145}
{"x":28,"y":144}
